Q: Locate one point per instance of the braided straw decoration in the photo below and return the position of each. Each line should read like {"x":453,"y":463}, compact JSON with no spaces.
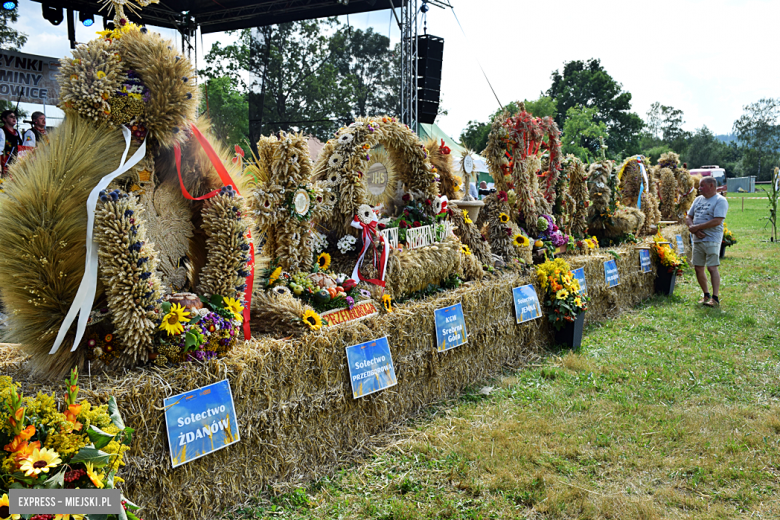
{"x":578,"y":189}
{"x":228,"y":248}
{"x":128,"y":271}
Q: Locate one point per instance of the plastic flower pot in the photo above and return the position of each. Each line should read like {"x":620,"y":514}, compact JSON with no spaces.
{"x":664,"y":281}
{"x":722,"y":249}
{"x":570,"y":334}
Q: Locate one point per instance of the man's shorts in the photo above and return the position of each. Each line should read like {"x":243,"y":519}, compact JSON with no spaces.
{"x":706,"y":254}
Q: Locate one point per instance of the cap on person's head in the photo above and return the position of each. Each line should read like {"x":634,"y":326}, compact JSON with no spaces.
{"x":35,"y":115}
{"x":7,"y":113}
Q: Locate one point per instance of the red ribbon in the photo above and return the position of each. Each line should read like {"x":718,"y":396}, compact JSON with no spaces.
{"x":227,"y":180}
{"x":368,"y":231}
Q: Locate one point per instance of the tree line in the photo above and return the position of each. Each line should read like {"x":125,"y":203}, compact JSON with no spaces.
{"x":587,"y":103}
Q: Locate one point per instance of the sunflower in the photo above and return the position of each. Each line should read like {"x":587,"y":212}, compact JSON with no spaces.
{"x":172,"y":322}
{"x":466,"y":218}
{"x":387,"y":301}
{"x":578,"y":302}
{"x":521,"y":240}
{"x":275,"y":275}
{"x":561,"y":294}
{"x":323,"y":261}
{"x":312,"y":319}
{"x":503,"y":217}
{"x":234,"y":306}
{"x":5,"y":505}
{"x":40,"y":461}
{"x":96,"y":478}
{"x":465,"y":249}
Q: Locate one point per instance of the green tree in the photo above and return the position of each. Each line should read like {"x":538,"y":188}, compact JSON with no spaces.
{"x":587,"y":84}
{"x":369,"y":73}
{"x":302,"y":87}
{"x":10,"y":38}
{"x":581,"y":132}
{"x":227,"y":107}
{"x":543,"y":107}
{"x":759,"y":135}
{"x":475,"y":135}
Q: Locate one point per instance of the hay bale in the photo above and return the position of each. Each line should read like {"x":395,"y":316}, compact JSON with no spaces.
{"x":294,"y":404}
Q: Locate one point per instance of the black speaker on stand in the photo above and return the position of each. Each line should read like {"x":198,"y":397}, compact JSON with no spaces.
{"x":430,"y":50}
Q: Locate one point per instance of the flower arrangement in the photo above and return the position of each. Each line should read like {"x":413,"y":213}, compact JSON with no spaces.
{"x":190,"y":333}
{"x":68,"y":446}
{"x":666,"y":256}
{"x":562,"y":292}
{"x":728,"y":236}
{"x":415,"y":214}
{"x":586,"y":245}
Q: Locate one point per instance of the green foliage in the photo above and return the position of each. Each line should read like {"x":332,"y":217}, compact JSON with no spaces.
{"x":759,"y":134}
{"x":475,"y":136}
{"x":704,"y":148}
{"x":543,"y":107}
{"x":581,"y":132}
{"x":588,"y":84}
{"x":10,"y":38}
{"x":227,"y":107}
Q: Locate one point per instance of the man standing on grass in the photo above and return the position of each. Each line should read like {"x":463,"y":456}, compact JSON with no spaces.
{"x":705,"y":222}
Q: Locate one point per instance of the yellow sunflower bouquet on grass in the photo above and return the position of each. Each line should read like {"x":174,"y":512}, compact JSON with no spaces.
{"x":67,"y":445}
{"x":562,"y":292}
{"x":666,"y":256}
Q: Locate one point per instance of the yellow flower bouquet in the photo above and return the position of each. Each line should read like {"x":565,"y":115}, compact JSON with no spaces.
{"x":728,"y":236}
{"x":73,"y":445}
{"x":562,"y":292}
{"x":666,"y":256}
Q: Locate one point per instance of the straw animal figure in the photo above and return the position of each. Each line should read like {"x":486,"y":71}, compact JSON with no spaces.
{"x":285,"y":203}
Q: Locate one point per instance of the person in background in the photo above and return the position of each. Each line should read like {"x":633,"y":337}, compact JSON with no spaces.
{"x":484,"y":191}
{"x":11,"y":139}
{"x":705,"y":222}
{"x":37,"y":133}
{"x":473,"y":190}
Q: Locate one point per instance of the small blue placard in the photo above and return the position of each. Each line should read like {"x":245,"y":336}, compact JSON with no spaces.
{"x":680,"y":245}
{"x":450,"y":327}
{"x":611,"y":275}
{"x":370,"y":367}
{"x":527,"y":306}
{"x":644,"y":260}
{"x":200,"y":421}
{"x":579,"y":274}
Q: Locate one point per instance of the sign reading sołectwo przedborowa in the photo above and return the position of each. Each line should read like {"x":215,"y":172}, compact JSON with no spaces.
{"x":28,"y":78}
{"x":200,"y":421}
{"x":64,"y":501}
{"x":370,"y":367}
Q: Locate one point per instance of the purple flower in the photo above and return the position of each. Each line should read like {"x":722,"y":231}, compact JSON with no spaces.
{"x":364,"y":293}
{"x":350,"y":302}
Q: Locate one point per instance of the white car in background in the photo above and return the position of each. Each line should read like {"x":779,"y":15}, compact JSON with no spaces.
{"x":716,"y":172}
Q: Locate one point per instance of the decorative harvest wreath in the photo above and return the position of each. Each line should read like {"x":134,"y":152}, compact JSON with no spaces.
{"x":347,"y":157}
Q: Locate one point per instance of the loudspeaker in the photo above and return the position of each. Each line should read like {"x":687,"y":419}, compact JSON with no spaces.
{"x":430,"y":50}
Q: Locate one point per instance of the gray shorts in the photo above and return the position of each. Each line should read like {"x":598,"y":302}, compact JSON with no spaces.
{"x":706,"y":254}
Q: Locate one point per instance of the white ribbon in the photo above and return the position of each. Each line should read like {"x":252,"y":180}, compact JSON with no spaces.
{"x":85,"y":296}
{"x":366,"y":243}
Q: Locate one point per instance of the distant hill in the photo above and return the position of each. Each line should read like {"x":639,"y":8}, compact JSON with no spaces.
{"x":726,"y":138}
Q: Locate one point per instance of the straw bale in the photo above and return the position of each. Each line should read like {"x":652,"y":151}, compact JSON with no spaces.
{"x":294,"y":405}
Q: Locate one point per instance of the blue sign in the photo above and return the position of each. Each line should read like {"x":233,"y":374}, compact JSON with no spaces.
{"x":370,"y":367}
{"x":644,"y":260}
{"x":200,"y":421}
{"x":611,"y":273}
{"x":527,"y":306}
{"x":680,"y":245}
{"x":579,"y":274}
{"x":450,"y":327}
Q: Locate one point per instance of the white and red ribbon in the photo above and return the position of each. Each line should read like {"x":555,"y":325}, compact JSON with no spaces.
{"x":369,"y":231}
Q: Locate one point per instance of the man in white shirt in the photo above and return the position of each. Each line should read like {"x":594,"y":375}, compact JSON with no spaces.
{"x":37,"y":133}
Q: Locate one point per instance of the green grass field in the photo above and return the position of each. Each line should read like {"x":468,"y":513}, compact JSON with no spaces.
{"x":670,"y":411}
